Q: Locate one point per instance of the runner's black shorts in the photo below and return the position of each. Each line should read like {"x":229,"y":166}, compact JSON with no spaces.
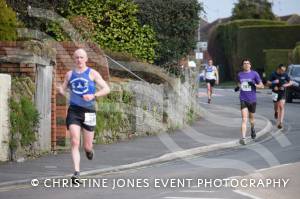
{"x":281,"y":96}
{"x":211,"y":82}
{"x":250,"y":106}
{"x":85,"y":118}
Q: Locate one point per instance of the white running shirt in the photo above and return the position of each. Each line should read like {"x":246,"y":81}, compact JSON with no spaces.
{"x":210,"y":72}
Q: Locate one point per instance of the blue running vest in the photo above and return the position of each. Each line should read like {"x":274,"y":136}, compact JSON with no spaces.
{"x":79,"y":85}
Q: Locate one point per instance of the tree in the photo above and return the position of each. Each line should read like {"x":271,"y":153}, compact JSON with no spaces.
{"x":8,"y":22}
{"x":253,"y":9}
{"x":175,"y":23}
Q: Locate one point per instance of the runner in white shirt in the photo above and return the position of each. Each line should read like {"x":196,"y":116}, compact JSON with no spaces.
{"x":211,"y":75}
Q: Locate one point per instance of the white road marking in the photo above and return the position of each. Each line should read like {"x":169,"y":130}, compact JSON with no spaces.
{"x":246,"y":194}
{"x":274,"y":167}
{"x":196,"y":191}
{"x":51,"y":167}
{"x":189,"y":198}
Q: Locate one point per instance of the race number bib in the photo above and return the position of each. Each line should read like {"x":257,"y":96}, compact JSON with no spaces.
{"x":245,"y":86}
{"x":90,"y":119}
{"x":274,"y":96}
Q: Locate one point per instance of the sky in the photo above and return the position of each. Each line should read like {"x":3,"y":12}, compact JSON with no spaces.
{"x":222,"y":8}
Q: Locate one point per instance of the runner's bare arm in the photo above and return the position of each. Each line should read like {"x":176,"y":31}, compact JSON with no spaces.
{"x":259,"y":85}
{"x":290,"y":83}
{"x":62,"y":88}
{"x":217,"y":75}
{"x":269,"y":83}
{"x":104,"y":88}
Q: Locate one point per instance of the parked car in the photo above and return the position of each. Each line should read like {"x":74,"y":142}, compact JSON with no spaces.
{"x":293,"y":92}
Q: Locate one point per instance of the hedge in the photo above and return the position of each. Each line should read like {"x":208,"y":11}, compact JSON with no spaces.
{"x":252,"y":40}
{"x":274,"y":57}
{"x":222,"y":44}
{"x":296,"y":54}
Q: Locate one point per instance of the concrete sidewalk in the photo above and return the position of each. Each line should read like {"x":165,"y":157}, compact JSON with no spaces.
{"x":219,"y":129}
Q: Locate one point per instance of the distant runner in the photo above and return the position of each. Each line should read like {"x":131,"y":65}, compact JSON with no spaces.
{"x":211,"y":75}
{"x":279,"y":81}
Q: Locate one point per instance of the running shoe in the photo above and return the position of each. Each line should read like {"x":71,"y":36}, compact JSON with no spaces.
{"x":76,"y":179}
{"x":243,"y":141}
{"x":89,"y":154}
{"x":253,"y":133}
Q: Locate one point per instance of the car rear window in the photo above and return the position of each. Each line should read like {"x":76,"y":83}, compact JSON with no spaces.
{"x":295,"y":71}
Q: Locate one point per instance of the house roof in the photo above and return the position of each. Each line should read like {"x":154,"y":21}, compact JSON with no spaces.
{"x":291,"y":19}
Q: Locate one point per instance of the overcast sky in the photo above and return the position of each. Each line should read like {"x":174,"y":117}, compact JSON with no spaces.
{"x":222,"y":8}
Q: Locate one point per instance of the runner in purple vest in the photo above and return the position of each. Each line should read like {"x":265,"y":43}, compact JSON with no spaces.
{"x":248,"y":81}
{"x":82,"y":82}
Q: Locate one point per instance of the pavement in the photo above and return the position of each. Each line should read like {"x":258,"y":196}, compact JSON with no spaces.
{"x":218,"y":128}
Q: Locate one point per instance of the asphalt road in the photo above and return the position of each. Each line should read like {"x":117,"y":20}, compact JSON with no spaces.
{"x":195,"y":177}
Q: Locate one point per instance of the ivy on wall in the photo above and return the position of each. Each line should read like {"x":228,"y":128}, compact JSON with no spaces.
{"x":24,"y":117}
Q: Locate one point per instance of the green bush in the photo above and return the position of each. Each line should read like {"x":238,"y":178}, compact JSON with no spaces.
{"x":252,"y":40}
{"x":55,"y":31}
{"x":8,"y":22}
{"x":24,"y":121}
{"x":116,"y":26}
{"x":296,"y":54}
{"x":223,"y":43}
{"x":24,"y":117}
{"x":274,"y":57}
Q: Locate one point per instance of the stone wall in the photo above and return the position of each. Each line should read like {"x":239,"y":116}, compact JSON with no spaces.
{"x":157,"y":108}
{"x":161,"y":107}
{"x":168,"y":104}
{"x":148,"y":107}
{"x":5,"y":88}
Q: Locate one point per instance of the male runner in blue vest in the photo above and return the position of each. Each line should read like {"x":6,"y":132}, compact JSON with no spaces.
{"x":81,"y":83}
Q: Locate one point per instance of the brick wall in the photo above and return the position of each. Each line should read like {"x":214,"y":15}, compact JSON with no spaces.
{"x":18,"y":69}
{"x":64,"y":63}
{"x":15,"y":69}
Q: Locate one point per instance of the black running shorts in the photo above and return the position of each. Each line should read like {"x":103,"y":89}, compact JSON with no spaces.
{"x":250,"y":106}
{"x":211,"y":82}
{"x":277,"y":96}
{"x":83,"y":117}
